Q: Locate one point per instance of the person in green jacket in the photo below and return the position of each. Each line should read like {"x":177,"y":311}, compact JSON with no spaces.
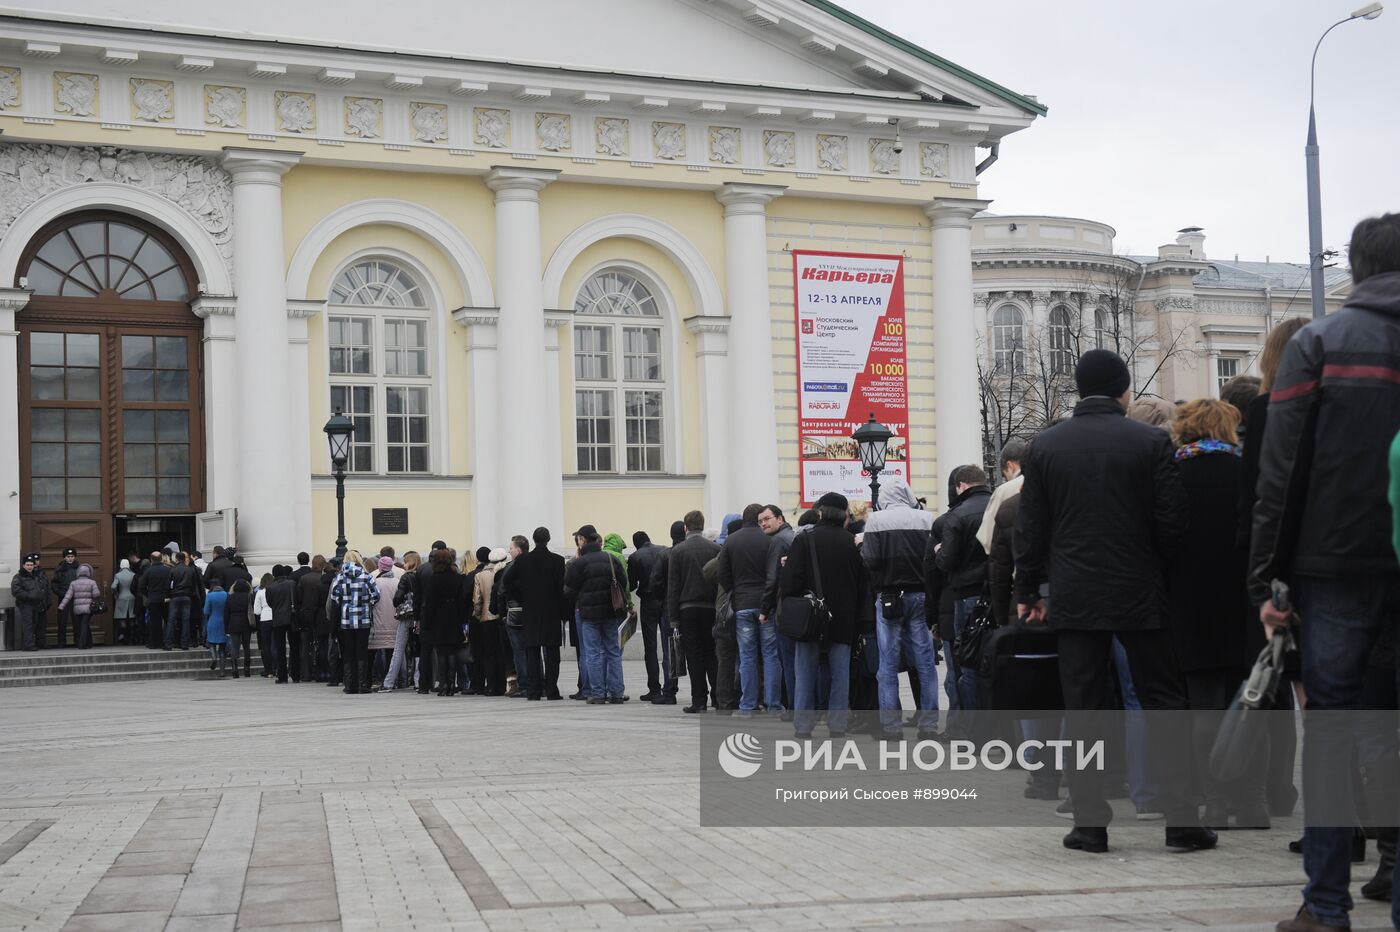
{"x":615,"y":545}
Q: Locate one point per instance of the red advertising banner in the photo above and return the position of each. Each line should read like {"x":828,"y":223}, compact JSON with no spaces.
{"x":850,"y":365}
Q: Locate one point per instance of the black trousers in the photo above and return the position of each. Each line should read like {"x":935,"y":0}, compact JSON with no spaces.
{"x":155,"y":627}
{"x":354,"y":649}
{"x":239,"y":643}
{"x":427,"y":674}
{"x":649,"y":620}
{"x":726,"y":691}
{"x":82,"y":631}
{"x":697,"y":624}
{"x":491,"y":651}
{"x":542,"y":670}
{"x":277,"y":642}
{"x":1085,"y":658}
{"x":476,"y":669}
{"x":294,"y":652}
{"x":65,"y":615}
{"x":446,"y":665}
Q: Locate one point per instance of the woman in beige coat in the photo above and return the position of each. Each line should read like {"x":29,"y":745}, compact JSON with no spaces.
{"x":384,"y":627}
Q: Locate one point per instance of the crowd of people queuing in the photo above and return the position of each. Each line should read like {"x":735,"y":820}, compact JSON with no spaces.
{"x":1144,"y":533}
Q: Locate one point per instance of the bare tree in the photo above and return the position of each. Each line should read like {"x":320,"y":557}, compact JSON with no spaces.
{"x":1008,"y":399}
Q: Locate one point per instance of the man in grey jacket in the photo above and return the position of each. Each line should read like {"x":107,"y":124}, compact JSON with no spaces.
{"x":780,"y":534}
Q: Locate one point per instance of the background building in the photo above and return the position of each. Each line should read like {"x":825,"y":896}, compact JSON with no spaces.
{"x":1049,"y":288}
{"x":547,"y":293}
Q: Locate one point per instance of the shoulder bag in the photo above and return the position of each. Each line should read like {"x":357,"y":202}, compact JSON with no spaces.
{"x":976,"y":632}
{"x":619,"y":599}
{"x":805,"y":617}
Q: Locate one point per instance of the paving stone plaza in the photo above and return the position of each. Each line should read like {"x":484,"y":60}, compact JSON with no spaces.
{"x":222,"y":805}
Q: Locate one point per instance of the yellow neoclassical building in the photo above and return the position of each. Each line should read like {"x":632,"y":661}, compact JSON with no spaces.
{"x":544,"y":262}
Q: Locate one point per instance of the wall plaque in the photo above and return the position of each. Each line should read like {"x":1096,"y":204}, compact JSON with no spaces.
{"x":389,"y":520}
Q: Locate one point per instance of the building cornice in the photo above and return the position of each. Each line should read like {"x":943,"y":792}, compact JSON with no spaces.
{"x":208,"y":305}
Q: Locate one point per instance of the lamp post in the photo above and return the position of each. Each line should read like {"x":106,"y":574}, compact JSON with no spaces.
{"x":1319,"y":308}
{"x":338,"y":430}
{"x":872,"y":438}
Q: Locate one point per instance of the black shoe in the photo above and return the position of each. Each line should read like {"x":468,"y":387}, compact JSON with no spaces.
{"x":664,"y":700}
{"x":555,"y":698}
{"x":598,"y":700}
{"x":692,"y":709}
{"x":1305,"y":921}
{"x":578,"y":695}
{"x":533,"y":698}
{"x":617,"y":700}
{"x":1190,"y":839}
{"x":1092,"y":840}
{"x":212,"y":665}
{"x":1379,"y":887}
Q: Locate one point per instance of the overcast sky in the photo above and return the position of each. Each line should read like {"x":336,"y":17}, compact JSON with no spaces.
{"x":1188,"y":113}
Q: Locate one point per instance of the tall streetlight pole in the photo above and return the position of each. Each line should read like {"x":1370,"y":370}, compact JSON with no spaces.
{"x":338,"y":430}
{"x":1315,"y":270}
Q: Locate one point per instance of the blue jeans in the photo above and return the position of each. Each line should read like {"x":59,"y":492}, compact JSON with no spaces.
{"x":582,"y":656}
{"x":1341,"y":621}
{"x":807,"y":659}
{"x":908,"y":635}
{"x":1142,"y":789}
{"x":603,"y":654}
{"x":517,"y":652}
{"x":754,"y":637}
{"x":178,"y":609}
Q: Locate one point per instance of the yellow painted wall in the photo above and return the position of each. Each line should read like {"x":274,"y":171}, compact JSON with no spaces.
{"x":632,"y":509}
{"x":433,"y":514}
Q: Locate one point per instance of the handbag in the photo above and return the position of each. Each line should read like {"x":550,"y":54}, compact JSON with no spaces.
{"x":892,"y":605}
{"x":677,"y":654}
{"x":1243,"y":727}
{"x":404,"y":611}
{"x":619,"y":598}
{"x":725,"y":619}
{"x":99,"y":605}
{"x":972,"y":639}
{"x":805,"y":617}
{"x":515,"y":615}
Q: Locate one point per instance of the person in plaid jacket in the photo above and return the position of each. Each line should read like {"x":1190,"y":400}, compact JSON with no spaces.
{"x":355,"y":592}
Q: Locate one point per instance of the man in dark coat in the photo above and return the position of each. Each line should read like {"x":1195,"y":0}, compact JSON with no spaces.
{"x":536,"y":583}
{"x":63,"y":576}
{"x":1323,"y":524}
{"x":641,"y":574}
{"x":690,"y":602}
{"x":30,"y":589}
{"x":155,"y":589}
{"x":962,"y":561}
{"x":214,"y":572}
{"x":589,"y":581}
{"x":840,"y":575}
{"x":743,"y":571}
{"x":281,"y":597}
{"x":1102,"y":508}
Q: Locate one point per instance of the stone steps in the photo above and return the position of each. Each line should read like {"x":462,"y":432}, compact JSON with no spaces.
{"x":104,"y":665}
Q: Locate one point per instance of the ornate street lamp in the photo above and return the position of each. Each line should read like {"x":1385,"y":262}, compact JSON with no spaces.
{"x":338,"y":430}
{"x":1310,"y":152}
{"x":873,"y":439}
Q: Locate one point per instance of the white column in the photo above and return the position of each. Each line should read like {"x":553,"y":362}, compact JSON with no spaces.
{"x":266,"y":501}
{"x":12,"y":300}
{"x":957,"y":432}
{"x":221,"y":390}
{"x":525,"y":457}
{"x":752,"y":456}
{"x":712,"y":351}
{"x":556,"y":415}
{"x":299,"y":452}
{"x":482,"y":393}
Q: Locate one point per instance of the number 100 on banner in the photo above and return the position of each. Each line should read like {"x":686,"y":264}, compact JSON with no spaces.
{"x":850,"y":364}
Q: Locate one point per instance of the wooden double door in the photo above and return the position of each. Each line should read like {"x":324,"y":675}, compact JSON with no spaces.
{"x":111,"y":395}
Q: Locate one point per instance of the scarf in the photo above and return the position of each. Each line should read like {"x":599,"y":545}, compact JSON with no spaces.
{"x":1204,"y":447}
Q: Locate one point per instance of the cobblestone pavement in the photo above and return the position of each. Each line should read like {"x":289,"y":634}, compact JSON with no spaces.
{"x":222,"y":805}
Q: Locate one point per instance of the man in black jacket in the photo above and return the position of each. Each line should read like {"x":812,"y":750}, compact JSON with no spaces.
{"x":536,"y":583}
{"x":280,"y":598}
{"x":31,"y":593}
{"x":690,"y":602}
{"x":641,"y":575}
{"x":780,"y":534}
{"x":1101,"y":508}
{"x":63,"y":576}
{"x":1322,"y":522}
{"x":962,"y":561}
{"x":743,"y":570}
{"x":589,"y":581}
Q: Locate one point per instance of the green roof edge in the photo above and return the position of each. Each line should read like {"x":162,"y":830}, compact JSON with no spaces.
{"x":904,"y":45}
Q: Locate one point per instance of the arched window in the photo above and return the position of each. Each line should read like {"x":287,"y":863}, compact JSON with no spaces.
{"x":619,"y":376}
{"x":1061,"y":341}
{"x":378,"y":323}
{"x":102,"y":257}
{"x":1009,"y":340}
{"x":1103,"y":335}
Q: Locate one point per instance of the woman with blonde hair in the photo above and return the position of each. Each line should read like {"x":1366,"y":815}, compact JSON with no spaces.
{"x":1283,"y":794}
{"x":406,"y":611}
{"x":1206,"y":598}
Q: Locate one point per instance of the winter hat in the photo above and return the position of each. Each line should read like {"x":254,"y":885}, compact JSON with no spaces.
{"x":1101,"y":372}
{"x":126,"y":564}
{"x":69,"y":552}
{"x":677,"y":531}
{"x":34,"y":557}
{"x":386,"y":564}
{"x":498,"y":555}
{"x":833,"y":500}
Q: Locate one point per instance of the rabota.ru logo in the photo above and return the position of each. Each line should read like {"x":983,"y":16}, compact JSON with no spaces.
{"x":741,"y":755}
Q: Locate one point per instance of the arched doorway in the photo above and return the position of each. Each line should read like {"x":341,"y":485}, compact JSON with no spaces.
{"x":111,"y":394}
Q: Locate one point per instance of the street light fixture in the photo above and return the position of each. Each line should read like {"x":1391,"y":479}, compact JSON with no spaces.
{"x":873,"y":438}
{"x":1315,"y":270}
{"x":338,"y":430}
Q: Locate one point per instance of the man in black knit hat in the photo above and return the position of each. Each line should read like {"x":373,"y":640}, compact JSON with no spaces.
{"x":1100,"y":506}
